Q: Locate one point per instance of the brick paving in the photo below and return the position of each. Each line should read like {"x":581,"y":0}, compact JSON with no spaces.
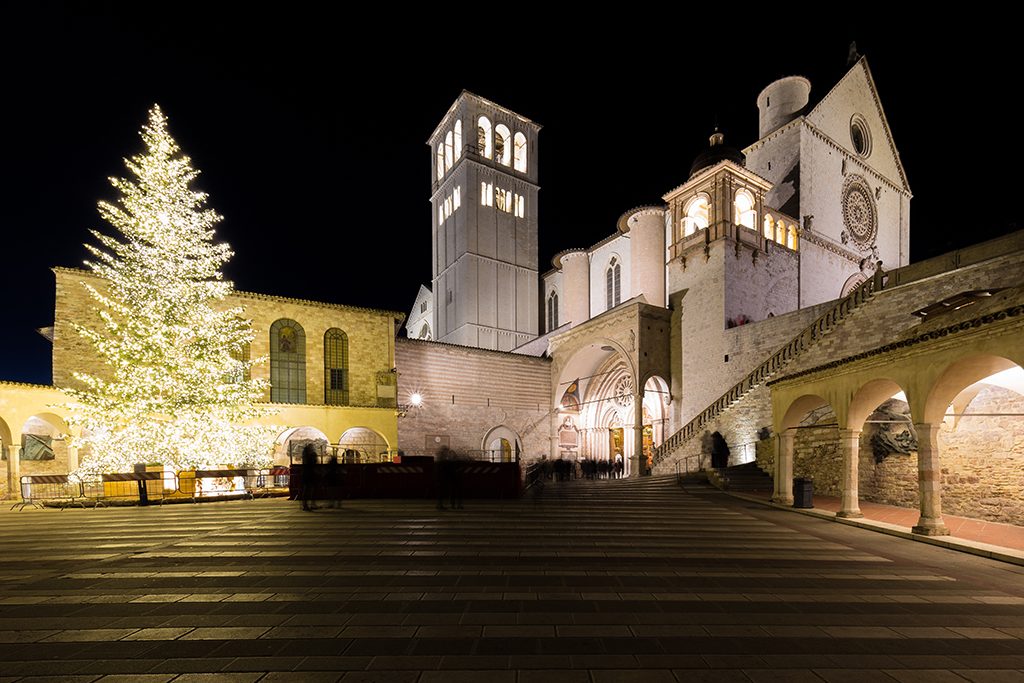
{"x":979,"y":530}
{"x":610,"y":581}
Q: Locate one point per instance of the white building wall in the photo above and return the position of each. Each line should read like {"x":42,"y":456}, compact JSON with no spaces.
{"x":600,"y":257}
{"x":777,"y":159}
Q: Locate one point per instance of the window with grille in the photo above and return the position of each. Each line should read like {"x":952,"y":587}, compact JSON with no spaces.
{"x":287,"y":362}
{"x":336,"y":385}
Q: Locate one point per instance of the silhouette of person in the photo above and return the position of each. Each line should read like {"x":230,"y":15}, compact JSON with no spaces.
{"x":333,"y":481}
{"x":309,"y":467}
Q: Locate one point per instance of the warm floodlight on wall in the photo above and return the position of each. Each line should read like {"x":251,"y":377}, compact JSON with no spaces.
{"x":415,"y":401}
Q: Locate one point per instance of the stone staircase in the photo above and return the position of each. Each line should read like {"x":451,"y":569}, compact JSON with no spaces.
{"x":746,"y":477}
{"x":811,"y":335}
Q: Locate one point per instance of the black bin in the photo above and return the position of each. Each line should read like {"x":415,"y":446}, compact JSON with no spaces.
{"x":803,"y":493}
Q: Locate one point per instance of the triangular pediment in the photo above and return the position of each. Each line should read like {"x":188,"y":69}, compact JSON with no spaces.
{"x":855,"y":95}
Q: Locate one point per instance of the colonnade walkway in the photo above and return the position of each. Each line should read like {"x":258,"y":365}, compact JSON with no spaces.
{"x":587,"y":581}
{"x":966,"y":528}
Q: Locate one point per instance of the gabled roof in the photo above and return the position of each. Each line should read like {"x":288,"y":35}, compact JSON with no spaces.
{"x":862,"y":64}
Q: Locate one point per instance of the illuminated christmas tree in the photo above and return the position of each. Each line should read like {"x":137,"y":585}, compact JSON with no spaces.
{"x":176,"y":389}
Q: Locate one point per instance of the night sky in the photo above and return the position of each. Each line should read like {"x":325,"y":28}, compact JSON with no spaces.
{"x":310,"y":129}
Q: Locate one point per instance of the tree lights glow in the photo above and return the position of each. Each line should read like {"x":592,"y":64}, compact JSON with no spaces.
{"x":175,"y":390}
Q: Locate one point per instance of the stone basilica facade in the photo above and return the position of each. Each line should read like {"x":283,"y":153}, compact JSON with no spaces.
{"x":765,"y":309}
{"x":642,"y":327}
{"x":762,"y":311}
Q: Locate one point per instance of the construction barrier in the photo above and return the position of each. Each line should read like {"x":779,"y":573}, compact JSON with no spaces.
{"x":60,"y":490}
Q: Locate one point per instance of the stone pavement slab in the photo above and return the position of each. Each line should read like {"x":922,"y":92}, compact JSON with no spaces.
{"x":589,"y":581}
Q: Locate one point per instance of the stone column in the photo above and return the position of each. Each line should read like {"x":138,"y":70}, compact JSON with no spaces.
{"x":638,"y":460}
{"x":13,"y":472}
{"x":849,"y":444}
{"x":784,"y":468}
{"x":72,"y":459}
{"x":929,"y":482}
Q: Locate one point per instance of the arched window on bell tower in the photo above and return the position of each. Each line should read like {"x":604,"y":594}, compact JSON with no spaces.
{"x":503,"y":144}
{"x":744,"y":205}
{"x":520,"y":153}
{"x":483,"y":137}
{"x":613,"y":283}
{"x":458,"y":139}
{"x":698,"y":211}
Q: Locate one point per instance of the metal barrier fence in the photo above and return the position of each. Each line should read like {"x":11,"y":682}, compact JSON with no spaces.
{"x":60,"y":490}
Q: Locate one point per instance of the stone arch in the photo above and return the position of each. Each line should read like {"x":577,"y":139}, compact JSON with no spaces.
{"x":290,"y":442}
{"x":657,"y":399}
{"x":974,"y":467}
{"x":957,"y":376}
{"x":799,"y":408}
{"x":589,"y":364}
{"x":5,"y":433}
{"x":371,"y":445}
{"x":799,"y":451}
{"x":498,"y":453}
{"x":868,"y":397}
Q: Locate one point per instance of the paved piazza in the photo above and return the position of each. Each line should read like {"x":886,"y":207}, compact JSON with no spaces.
{"x":597,"y":582}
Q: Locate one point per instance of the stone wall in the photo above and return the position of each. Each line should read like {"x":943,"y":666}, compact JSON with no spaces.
{"x":370,"y":337}
{"x":469,"y":392}
{"x":983,"y":459}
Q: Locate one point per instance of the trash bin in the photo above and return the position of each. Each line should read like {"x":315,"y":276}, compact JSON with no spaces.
{"x":803,"y":493}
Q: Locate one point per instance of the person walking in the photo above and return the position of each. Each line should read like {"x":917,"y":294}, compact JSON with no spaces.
{"x":309,"y":467}
{"x":333,"y":481}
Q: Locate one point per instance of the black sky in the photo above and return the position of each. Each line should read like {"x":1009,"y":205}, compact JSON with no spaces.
{"x":310,"y":128}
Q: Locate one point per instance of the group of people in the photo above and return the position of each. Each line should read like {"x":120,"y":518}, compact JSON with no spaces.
{"x":320,"y":482}
{"x":589,"y":468}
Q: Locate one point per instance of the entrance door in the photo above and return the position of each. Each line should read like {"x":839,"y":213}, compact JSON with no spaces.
{"x":615,"y":439}
{"x":648,"y":446}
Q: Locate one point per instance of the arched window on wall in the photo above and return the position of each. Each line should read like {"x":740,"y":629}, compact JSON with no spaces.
{"x":697,"y":215}
{"x":519,"y":154}
{"x":552,"y":311}
{"x":745,"y":214}
{"x":613,"y":282}
{"x":287,"y":362}
{"x":503,"y":144}
{"x":791,"y":238}
{"x":440,"y":162}
{"x":780,"y":232}
{"x":769,"y":226}
{"x":458,"y":139}
{"x":449,"y":151}
{"x":335,"y":367}
{"x":483,"y":137}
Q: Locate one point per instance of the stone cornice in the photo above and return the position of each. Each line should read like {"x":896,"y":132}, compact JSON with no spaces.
{"x":28,"y":385}
{"x":398,"y":316}
{"x":829,"y":245}
{"x":406,"y":341}
{"x":1011,"y":312}
{"x":817,"y":132}
{"x":623,"y":223}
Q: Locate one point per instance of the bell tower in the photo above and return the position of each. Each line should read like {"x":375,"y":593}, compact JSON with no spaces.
{"x":484,"y":199}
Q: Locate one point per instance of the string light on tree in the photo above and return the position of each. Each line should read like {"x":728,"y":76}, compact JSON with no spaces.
{"x":176,"y":388}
